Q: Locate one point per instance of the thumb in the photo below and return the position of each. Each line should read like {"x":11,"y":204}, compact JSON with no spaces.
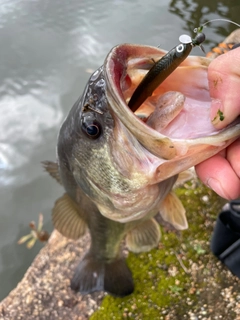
{"x":224,"y":88}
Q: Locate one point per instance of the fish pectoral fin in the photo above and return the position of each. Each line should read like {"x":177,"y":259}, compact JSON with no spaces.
{"x":98,"y":275}
{"x":52,"y":168}
{"x":172,"y":211}
{"x":66,"y":218}
{"x":144,"y":236}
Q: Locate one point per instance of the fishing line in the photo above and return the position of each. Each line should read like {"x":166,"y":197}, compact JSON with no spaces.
{"x":200,"y":37}
{"x":199,"y":29}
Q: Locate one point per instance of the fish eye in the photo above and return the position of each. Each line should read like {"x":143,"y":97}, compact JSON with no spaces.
{"x":91,"y":128}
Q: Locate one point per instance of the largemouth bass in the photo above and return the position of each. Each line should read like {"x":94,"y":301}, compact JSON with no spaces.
{"x":118,"y":167}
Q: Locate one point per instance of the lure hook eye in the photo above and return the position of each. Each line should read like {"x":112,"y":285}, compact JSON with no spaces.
{"x":91,"y":128}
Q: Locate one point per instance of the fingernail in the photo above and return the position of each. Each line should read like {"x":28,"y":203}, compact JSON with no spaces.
{"x":216,"y":113}
{"x":216,"y":186}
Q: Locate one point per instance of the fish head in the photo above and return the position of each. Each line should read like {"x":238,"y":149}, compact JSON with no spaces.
{"x":98,"y":155}
{"x":126,"y":163}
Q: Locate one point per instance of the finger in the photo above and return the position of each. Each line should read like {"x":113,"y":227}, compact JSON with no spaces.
{"x":224,"y":83}
{"x":217,"y":173}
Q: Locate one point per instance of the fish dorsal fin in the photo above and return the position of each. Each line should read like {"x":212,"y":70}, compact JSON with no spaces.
{"x":66,"y":218}
{"x":52,"y":168}
{"x":144,"y":236}
{"x":172,"y":211}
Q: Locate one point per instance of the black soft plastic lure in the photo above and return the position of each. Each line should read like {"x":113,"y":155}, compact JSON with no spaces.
{"x":168,"y":63}
{"x":163,"y":68}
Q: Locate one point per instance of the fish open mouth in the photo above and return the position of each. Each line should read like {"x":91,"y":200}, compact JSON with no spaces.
{"x":186,"y":126}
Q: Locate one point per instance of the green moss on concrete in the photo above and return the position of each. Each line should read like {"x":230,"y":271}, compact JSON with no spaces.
{"x":173,"y":278}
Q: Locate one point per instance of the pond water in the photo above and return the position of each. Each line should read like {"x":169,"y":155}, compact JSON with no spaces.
{"x":48,"y":50}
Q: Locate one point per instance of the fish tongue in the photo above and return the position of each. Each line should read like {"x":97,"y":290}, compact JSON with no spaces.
{"x":168,"y":106}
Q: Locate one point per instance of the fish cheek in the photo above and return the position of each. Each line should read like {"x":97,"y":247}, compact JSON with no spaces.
{"x":82,"y":169}
{"x":88,"y":165}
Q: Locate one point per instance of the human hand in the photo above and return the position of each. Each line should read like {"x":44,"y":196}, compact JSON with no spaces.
{"x":222,"y":171}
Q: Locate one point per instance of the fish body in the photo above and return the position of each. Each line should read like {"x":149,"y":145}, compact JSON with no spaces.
{"x":118,"y":171}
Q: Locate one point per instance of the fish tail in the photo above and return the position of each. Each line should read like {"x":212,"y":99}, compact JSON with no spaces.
{"x":96,"y":275}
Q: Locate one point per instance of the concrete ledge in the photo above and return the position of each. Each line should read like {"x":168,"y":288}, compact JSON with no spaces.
{"x":44,"y":291}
